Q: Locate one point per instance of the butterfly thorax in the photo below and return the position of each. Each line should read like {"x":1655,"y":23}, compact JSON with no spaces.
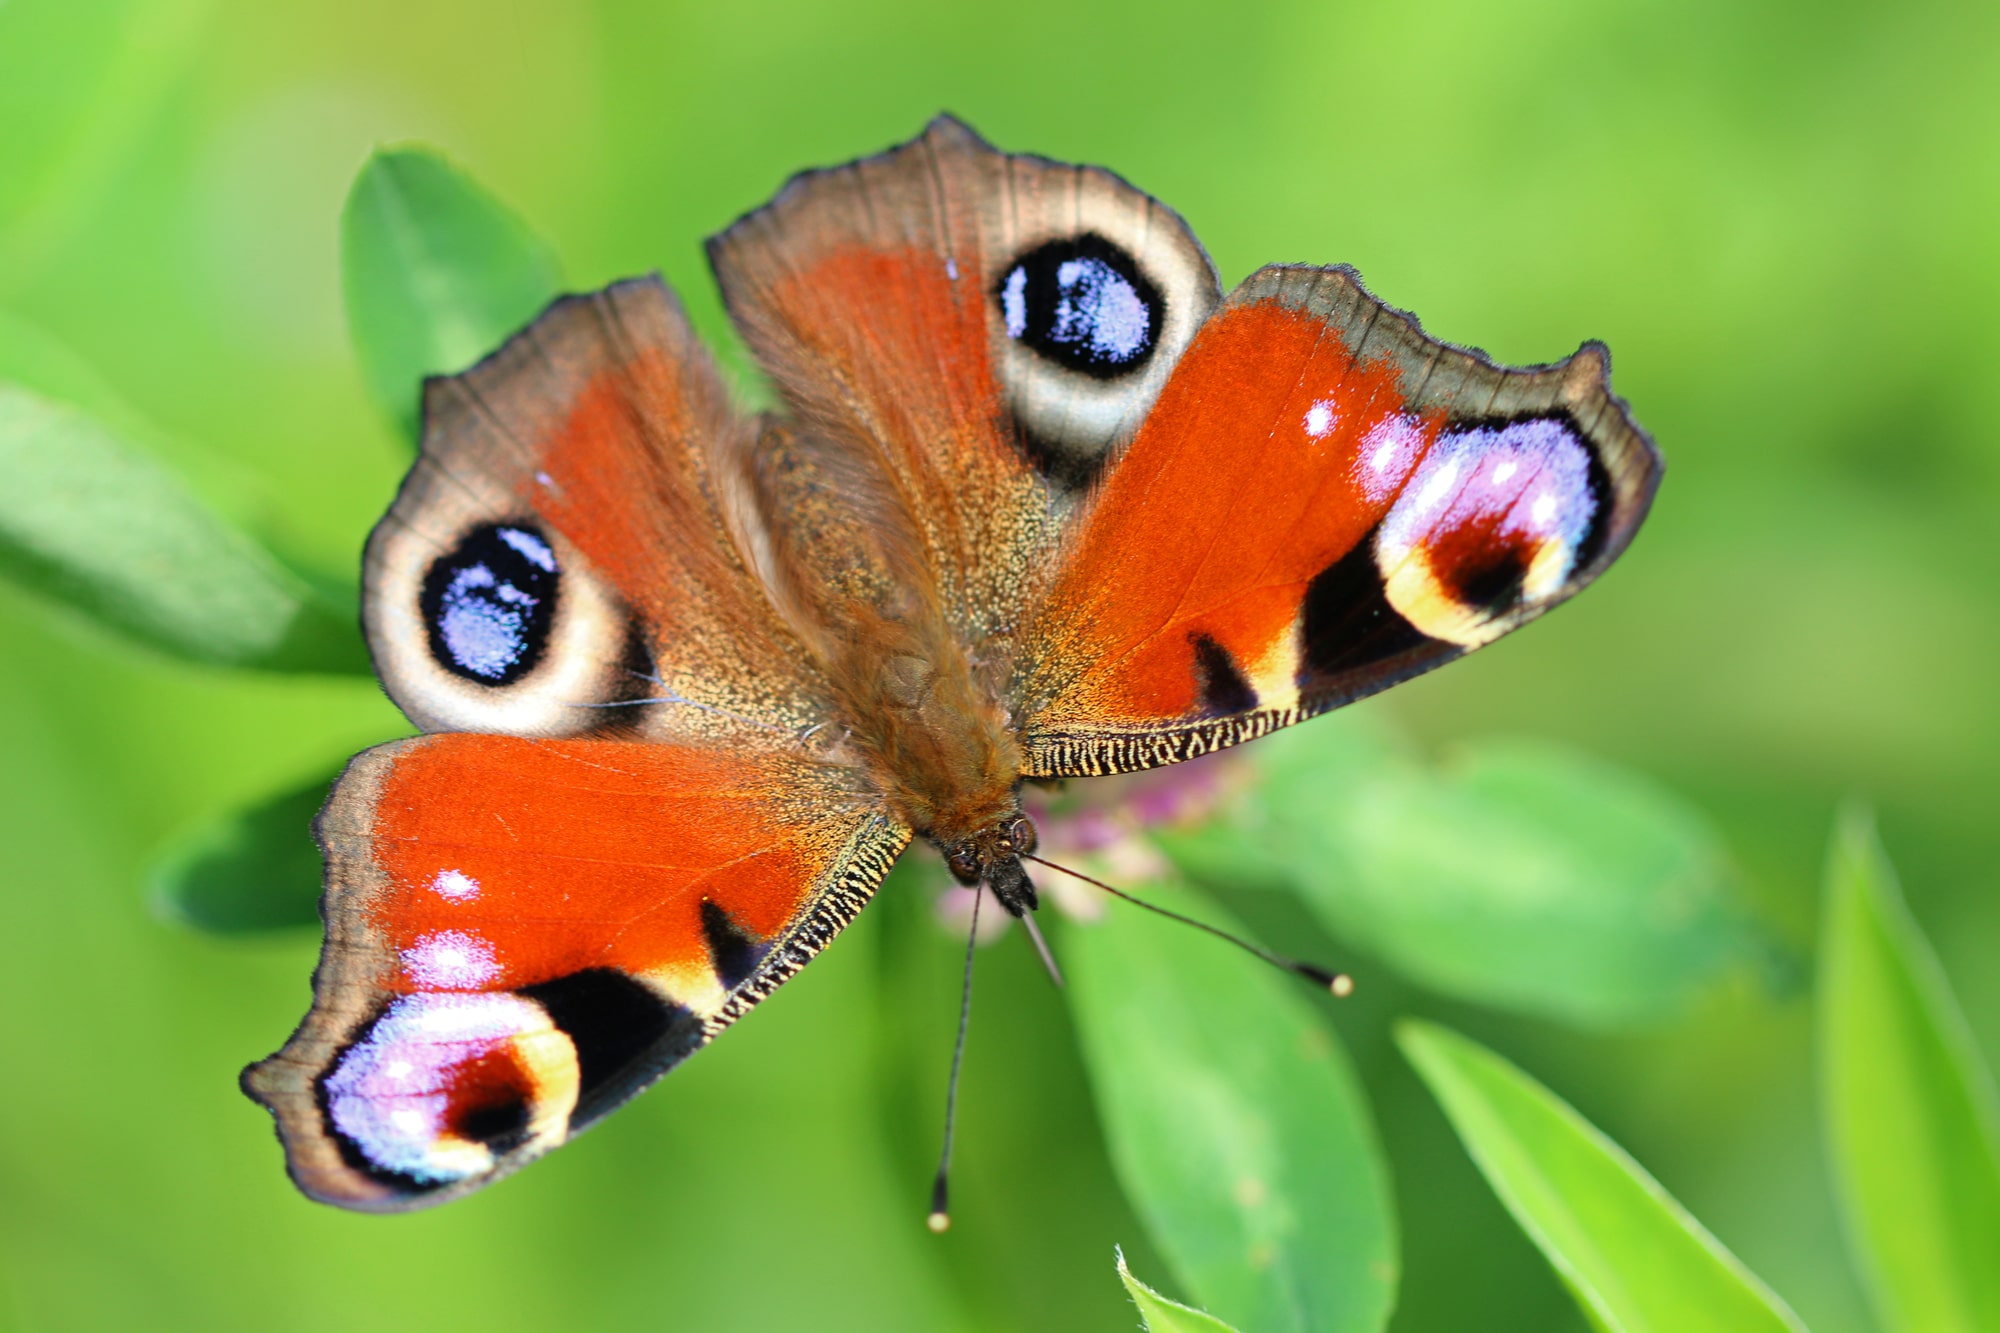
{"x":852,"y":570}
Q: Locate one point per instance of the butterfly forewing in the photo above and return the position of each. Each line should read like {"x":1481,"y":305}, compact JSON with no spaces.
{"x":1323,"y":502}
{"x":521,"y":934}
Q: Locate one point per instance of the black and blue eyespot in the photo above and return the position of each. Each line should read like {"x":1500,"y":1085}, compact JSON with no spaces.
{"x":1083,"y":303}
{"x":489,"y":604}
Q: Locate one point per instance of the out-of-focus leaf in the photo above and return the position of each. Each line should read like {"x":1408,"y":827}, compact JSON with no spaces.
{"x":1161,"y":1315}
{"x":255,"y":869}
{"x":1517,"y":874}
{"x":33,"y":360}
{"x":1636,"y":1261}
{"x":437,"y":274}
{"x":1234,"y":1122}
{"x":1909,"y":1107}
{"x":88,"y":519}
{"x":77,"y":82}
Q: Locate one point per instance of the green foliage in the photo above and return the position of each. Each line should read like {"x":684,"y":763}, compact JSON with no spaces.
{"x":1235,"y":1122}
{"x":1911,"y":1122}
{"x":88,"y":519}
{"x":253,"y":870}
{"x":1161,"y":1315}
{"x":1518,"y":874}
{"x":437,"y":273}
{"x":1636,"y":1261}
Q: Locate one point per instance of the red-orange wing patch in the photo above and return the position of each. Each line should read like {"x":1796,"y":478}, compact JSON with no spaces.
{"x":1323,"y":502}
{"x":522,"y":934}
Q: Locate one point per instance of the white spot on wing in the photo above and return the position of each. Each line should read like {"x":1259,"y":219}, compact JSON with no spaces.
{"x":455,"y":886}
{"x":951,"y":268}
{"x":450,"y":960}
{"x":1388,"y":452}
{"x":1320,"y":419}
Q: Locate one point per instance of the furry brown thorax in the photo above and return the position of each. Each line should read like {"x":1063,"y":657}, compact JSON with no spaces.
{"x":923,"y":708}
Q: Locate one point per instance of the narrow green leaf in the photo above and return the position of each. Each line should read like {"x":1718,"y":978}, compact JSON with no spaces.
{"x":253,"y":870}
{"x":90,"y":520}
{"x":1911,"y":1119}
{"x":437,"y":274}
{"x":1635,"y":1260}
{"x":1234,"y":1122}
{"x":1161,"y":1315}
{"x":33,"y":360}
{"x":1518,"y":874}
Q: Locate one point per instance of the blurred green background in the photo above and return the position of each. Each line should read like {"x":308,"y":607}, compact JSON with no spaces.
{"x":1781,"y":217}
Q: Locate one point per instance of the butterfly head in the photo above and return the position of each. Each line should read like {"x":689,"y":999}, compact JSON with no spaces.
{"x":992,"y":857}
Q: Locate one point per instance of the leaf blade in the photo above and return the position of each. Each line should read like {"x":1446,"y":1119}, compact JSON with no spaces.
{"x":89,"y":520}
{"x":1636,"y":1261}
{"x":436,"y":273}
{"x":1912,"y":1131}
{"x":1234,"y":1123}
{"x":251,"y":871}
{"x":1161,"y":1315}
{"x":1517,"y":874}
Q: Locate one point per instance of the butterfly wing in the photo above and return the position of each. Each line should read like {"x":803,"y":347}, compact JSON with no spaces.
{"x":524,"y":933}
{"x":576,"y":539}
{"x":1323,"y":502}
{"x":898,"y":303}
{"x":624,"y":833}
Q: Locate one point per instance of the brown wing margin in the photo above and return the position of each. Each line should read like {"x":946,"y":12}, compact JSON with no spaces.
{"x":1324,"y":501}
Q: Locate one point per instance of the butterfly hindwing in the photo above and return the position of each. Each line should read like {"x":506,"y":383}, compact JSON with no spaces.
{"x":988,"y":324}
{"x":523,"y":933}
{"x":1323,"y":502}
{"x":574,"y":540}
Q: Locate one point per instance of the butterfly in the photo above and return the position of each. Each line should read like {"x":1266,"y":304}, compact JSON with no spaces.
{"x":1042,"y":503}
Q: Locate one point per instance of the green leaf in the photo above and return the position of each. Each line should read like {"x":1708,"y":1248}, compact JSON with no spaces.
{"x":1161,"y":1315}
{"x":31,"y":359}
{"x":256,"y":869}
{"x":1234,"y":1123}
{"x":437,"y":273}
{"x":90,"y":520}
{"x":1635,"y":1260}
{"x":1911,"y":1121}
{"x":1518,"y":874}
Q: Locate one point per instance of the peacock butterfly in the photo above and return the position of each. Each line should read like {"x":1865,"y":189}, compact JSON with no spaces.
{"x":1043,"y":503}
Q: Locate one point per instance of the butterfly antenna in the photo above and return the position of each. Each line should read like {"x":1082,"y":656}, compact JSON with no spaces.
{"x":940,"y":1218}
{"x":1339,"y":983}
{"x":1042,"y":948}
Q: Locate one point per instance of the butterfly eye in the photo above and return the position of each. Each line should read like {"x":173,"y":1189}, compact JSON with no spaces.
{"x":1021,"y":835}
{"x":1084,"y":304}
{"x":488,"y":604}
{"x":963,"y":863}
